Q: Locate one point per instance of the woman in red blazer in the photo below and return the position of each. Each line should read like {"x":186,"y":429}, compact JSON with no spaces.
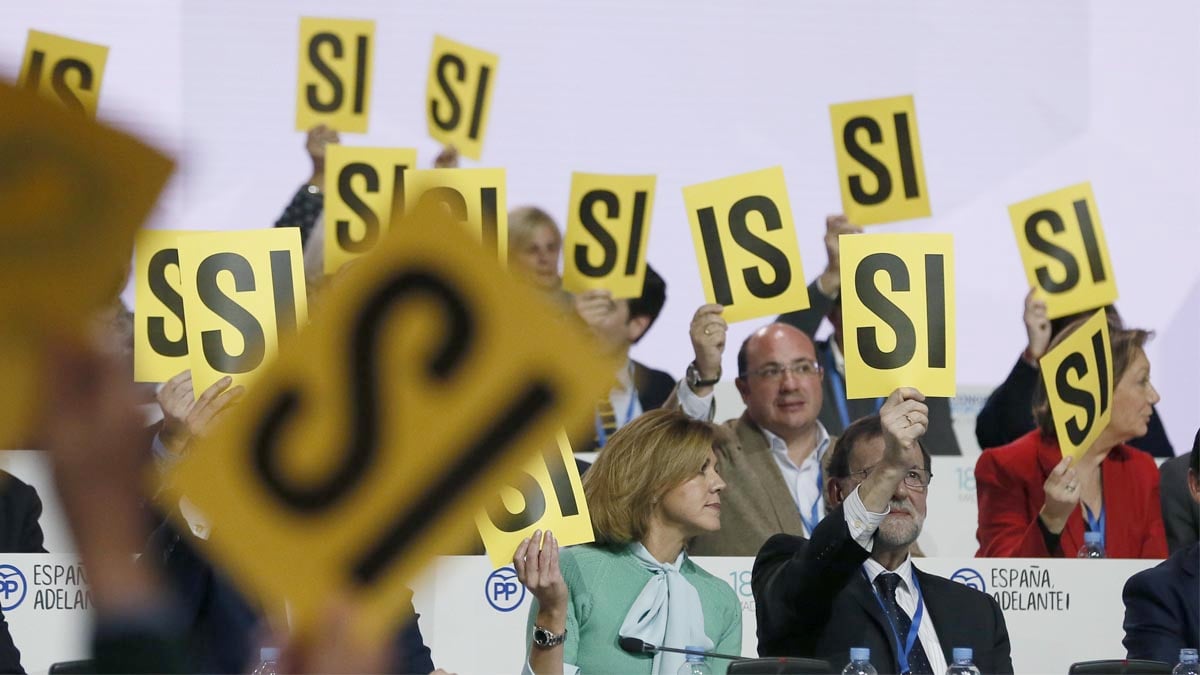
{"x":1034,"y":503}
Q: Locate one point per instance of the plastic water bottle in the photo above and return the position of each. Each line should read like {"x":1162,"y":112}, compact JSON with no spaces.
{"x":268,"y":661}
{"x":860,"y":662}
{"x":1093,"y":545}
{"x":695,"y":663}
{"x":1189,"y":663}
{"x":964,"y":662}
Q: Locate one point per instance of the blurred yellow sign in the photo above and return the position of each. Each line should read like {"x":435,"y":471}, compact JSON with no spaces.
{"x":898,"y":313}
{"x":546,"y":495}
{"x":74,"y":193}
{"x":364,"y":192}
{"x":746,"y":244}
{"x":1062,"y":245}
{"x":475,"y":197}
{"x":65,"y":70}
{"x":1078,"y":374}
{"x":370,"y":444}
{"x":459,"y":95}
{"x":243,"y":291}
{"x":880,"y":171}
{"x":333,"y":85}
{"x":608,"y":225}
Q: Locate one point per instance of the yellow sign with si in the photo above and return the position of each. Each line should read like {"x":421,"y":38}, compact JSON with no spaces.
{"x":243,"y":292}
{"x":355,"y":500}
{"x":746,"y":244}
{"x":333,"y":85}
{"x":474,"y":197}
{"x":68,"y":71}
{"x":608,"y":225}
{"x":898,"y":313}
{"x":1063,"y":248}
{"x":880,"y":171}
{"x":546,"y":495}
{"x":459,"y":95}
{"x":364,"y":193}
{"x":160,"y":349}
{"x":1078,"y":374}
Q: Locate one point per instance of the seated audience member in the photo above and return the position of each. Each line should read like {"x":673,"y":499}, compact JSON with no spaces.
{"x":1162,"y":604}
{"x":1180,"y":513}
{"x":772,"y":455}
{"x":534,"y":248}
{"x":618,"y":325}
{"x":1005,"y":416}
{"x":854,"y":583}
{"x":20,"y":510}
{"x":654,"y":487}
{"x":824,"y":295}
{"x":1035,"y":503}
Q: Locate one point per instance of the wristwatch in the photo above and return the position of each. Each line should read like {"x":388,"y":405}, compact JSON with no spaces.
{"x":545,"y":639}
{"x":693,"y":377}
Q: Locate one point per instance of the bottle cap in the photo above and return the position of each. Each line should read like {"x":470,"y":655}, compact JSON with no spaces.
{"x":694,"y":658}
{"x":963,"y":653}
{"x":268,"y":654}
{"x":860,"y":653}
{"x":1188,"y":656}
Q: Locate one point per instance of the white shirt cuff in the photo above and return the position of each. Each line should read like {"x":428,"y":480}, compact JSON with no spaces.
{"x":701,"y":408}
{"x":862,"y":523}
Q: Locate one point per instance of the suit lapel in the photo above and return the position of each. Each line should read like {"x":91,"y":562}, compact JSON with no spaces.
{"x":949,"y":633}
{"x":860,"y":590}
{"x":762,"y":462}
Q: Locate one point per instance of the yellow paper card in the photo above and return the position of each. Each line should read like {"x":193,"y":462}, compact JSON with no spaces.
{"x":546,"y":495}
{"x":880,"y":171}
{"x":160,"y":349}
{"x":475,"y":197}
{"x":333,"y":85}
{"x":242,"y":292}
{"x":746,"y":244}
{"x":65,"y":70}
{"x":608,"y":224}
{"x":898,"y":313}
{"x":1063,"y":248}
{"x":74,"y":194}
{"x":1078,"y":374}
{"x":364,"y":192}
{"x":459,"y":95}
{"x":348,"y":465}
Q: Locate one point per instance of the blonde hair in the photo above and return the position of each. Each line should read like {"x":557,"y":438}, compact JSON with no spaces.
{"x":642,"y":461}
{"x":523,"y":220}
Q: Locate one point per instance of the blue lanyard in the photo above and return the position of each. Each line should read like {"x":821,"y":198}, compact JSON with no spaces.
{"x":1095,"y":524}
{"x":810,"y":523}
{"x":902,"y":653}
{"x":601,"y":435}
{"x":839,"y":390}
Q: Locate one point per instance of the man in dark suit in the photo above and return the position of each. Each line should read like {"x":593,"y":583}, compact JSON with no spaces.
{"x":853,"y":584}
{"x":1180,"y":513}
{"x":20,"y":509}
{"x":1162,"y":604}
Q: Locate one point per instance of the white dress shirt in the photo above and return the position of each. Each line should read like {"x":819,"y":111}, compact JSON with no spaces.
{"x":863,"y":524}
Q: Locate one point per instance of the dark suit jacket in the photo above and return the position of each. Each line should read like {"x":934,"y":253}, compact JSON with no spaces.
{"x":653,"y":389}
{"x":812,"y":601}
{"x":20,"y":508}
{"x":939,"y":440}
{"x":1162,"y":608}
{"x":1008,"y":485}
{"x":10,"y":656}
{"x":1180,"y":513}
{"x":1008,"y":414}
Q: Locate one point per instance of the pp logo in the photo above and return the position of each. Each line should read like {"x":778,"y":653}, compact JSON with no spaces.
{"x":970,"y":578}
{"x":503,"y":591}
{"x":12,"y":587}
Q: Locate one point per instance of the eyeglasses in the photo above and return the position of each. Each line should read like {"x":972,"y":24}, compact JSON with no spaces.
{"x":799,"y":369}
{"x":917,"y":479}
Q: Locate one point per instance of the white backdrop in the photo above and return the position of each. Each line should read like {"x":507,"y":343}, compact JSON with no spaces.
{"x":1013,"y":99}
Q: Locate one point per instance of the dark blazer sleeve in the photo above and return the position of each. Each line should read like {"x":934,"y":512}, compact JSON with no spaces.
{"x":1001,"y":648}
{"x":809,"y":320}
{"x":1181,"y":515}
{"x":654,"y":387}
{"x":795,"y":582}
{"x":1151,"y":624}
{"x":1008,"y":412}
{"x":10,"y":656}
{"x":940,"y":439}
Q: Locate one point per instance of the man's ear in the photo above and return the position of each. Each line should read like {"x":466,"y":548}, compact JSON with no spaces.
{"x":636,"y":327}
{"x":833,"y":493}
{"x":743,"y":388}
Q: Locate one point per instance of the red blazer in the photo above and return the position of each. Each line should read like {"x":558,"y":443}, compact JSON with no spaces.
{"x":1008,"y":484}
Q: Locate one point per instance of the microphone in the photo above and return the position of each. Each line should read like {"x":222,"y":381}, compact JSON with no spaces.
{"x":636,"y":646}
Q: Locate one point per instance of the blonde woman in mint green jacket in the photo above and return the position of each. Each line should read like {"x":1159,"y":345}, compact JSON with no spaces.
{"x":655,"y":486}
